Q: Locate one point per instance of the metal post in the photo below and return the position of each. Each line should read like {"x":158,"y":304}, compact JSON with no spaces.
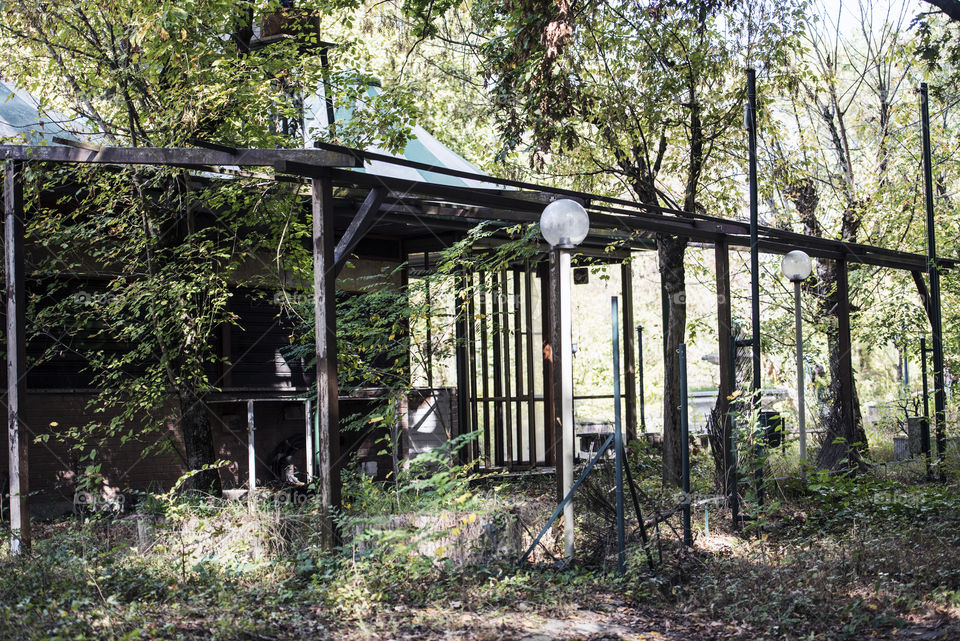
{"x":308,"y":446}
{"x":17,"y":440}
{"x":643,"y":420}
{"x":684,"y":446}
{"x":251,"y":457}
{"x":429,"y":305}
{"x":925,"y":422}
{"x":462,"y":364}
{"x":629,"y":362}
{"x":801,"y":401}
{"x":566,"y":398}
{"x":939,"y":398}
{"x":751,"y":121}
{"x":618,"y":437}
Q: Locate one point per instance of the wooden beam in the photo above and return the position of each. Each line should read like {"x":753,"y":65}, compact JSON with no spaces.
{"x":629,"y":347}
{"x":17,"y":438}
{"x":179,"y":157}
{"x":363,"y":220}
{"x":922,"y":291}
{"x":325,"y":319}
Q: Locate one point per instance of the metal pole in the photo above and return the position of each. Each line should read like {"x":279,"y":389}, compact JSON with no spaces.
{"x":684,"y":446}
{"x":17,"y":438}
{"x":643,"y":419}
{"x":618,"y":437}
{"x":251,"y":456}
{"x":308,"y":446}
{"x":751,"y":121}
{"x":801,"y":401}
{"x":939,"y":399}
{"x":566,"y":400}
{"x":925,"y":422}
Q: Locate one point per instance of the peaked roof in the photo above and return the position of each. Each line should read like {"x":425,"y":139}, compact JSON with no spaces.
{"x":422,"y":147}
{"x":23,"y":119}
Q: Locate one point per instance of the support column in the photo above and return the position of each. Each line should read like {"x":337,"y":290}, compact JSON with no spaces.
{"x":325,"y":318}
{"x":629,"y":359}
{"x":17,"y":438}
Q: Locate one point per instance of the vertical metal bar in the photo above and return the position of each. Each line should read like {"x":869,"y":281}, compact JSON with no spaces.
{"x":551,"y":443}
{"x":308,"y":435}
{"x":251,"y":457}
{"x":505,"y":360}
{"x":462,"y":361}
{"x":685,"y":446}
{"x":485,"y":374}
{"x":754,"y":249}
{"x":531,"y":401}
{"x":429,"y":355}
{"x":643,"y":412}
{"x":566,"y":399}
{"x":618,"y":437}
{"x":923,"y":374}
{"x":472,"y":364}
{"x":732,"y":470}
{"x":801,"y":400}
{"x":17,"y":439}
{"x":498,"y":418}
{"x":325,"y":320}
{"x":629,"y":362}
{"x":939,"y":398}
{"x":518,"y":362}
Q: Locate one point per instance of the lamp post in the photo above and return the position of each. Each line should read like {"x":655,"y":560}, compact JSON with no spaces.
{"x":564,"y":224}
{"x":796,"y":267}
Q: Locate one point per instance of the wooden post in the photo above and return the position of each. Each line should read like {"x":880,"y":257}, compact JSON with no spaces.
{"x":498,"y":418}
{"x":472,"y":364}
{"x":308,"y":427}
{"x":724,"y":331}
{"x":629,"y":360}
{"x":17,"y":439}
{"x":504,"y":295}
{"x":518,"y":364}
{"x":325,"y":315}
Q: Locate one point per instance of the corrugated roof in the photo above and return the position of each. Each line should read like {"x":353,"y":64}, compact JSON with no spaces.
{"x":23,"y":120}
{"x":422,"y":147}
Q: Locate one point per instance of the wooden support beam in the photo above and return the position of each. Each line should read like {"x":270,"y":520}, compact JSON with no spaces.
{"x":325,"y":319}
{"x":724,"y":332}
{"x":922,"y":290}
{"x":629,"y":347}
{"x":17,"y":434}
{"x":363,"y":220}
{"x":179,"y":157}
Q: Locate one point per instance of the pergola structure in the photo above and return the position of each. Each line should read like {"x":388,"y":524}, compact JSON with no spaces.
{"x":429,"y":216}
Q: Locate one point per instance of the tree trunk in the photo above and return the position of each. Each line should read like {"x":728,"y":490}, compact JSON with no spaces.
{"x":198,"y":444}
{"x":670,"y":252}
{"x":844,"y":437}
